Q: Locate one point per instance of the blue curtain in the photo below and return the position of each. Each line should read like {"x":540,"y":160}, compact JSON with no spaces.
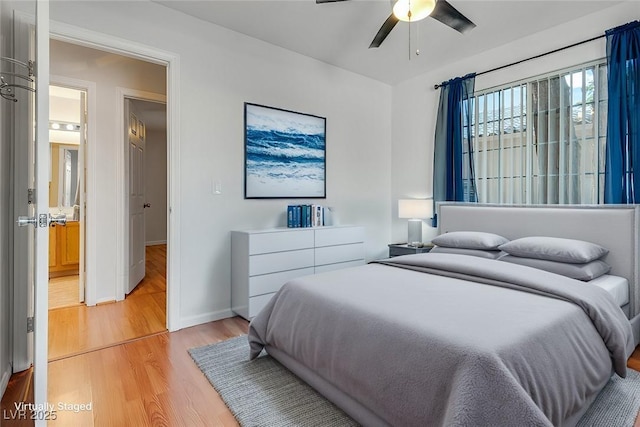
{"x":622,"y":181}
{"x":450,"y":168}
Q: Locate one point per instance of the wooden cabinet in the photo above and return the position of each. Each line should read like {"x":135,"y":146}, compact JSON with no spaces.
{"x":263,"y":260}
{"x":64,"y":249}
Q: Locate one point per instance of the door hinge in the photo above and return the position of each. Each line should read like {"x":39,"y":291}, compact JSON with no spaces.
{"x":29,"y":324}
{"x":31,"y":195}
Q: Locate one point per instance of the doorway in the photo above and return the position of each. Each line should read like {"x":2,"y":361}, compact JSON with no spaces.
{"x":106,"y":318}
{"x":146,"y":169}
{"x":67,"y":113}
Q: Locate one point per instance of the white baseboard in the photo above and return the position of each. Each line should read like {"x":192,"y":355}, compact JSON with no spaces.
{"x":106,"y":300}
{"x":187,"y":322}
{"x":4,"y":379}
{"x":156,"y":242}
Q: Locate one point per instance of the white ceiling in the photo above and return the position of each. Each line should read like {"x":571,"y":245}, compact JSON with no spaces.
{"x":340,"y":33}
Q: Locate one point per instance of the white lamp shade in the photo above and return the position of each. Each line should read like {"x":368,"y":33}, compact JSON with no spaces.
{"x":415,"y":208}
{"x":413,"y":10}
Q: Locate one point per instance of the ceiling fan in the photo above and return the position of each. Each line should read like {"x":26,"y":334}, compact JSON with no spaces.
{"x":415,"y":10}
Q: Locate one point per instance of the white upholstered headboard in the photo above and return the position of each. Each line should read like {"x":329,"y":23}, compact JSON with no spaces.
{"x":615,"y":227}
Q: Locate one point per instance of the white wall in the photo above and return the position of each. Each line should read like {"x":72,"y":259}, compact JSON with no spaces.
{"x":155,"y":184}
{"x":107,"y":71}
{"x":220,"y":70}
{"x":415,"y":102}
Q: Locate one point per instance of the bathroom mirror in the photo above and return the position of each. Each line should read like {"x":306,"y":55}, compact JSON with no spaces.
{"x":63,"y":183}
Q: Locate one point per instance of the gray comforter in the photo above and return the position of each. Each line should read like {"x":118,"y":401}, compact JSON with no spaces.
{"x":441,"y":339}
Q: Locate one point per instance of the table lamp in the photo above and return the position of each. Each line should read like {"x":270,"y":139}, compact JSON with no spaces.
{"x":415,"y":210}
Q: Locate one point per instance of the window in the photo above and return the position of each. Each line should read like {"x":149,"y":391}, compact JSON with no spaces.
{"x":541,"y":141}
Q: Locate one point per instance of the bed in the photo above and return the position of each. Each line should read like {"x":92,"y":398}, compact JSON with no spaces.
{"x":446,"y":339}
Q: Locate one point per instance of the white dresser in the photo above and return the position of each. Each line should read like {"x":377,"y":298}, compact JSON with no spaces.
{"x":263,"y":260}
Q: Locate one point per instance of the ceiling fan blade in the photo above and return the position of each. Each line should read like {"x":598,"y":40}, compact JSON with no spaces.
{"x":450,"y":16}
{"x":328,"y":1}
{"x":384,"y":31}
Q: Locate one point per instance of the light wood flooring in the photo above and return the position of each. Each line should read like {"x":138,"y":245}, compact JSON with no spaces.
{"x":64,"y":291}
{"x":77,"y":329}
{"x":148,"y":382}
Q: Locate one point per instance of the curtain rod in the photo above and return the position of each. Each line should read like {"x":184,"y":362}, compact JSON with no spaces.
{"x":436,"y":86}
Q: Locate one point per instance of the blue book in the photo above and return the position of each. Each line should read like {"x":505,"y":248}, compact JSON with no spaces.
{"x":305,"y":211}
{"x":289,"y":216}
{"x":298,"y":216}
{"x":294,"y":221}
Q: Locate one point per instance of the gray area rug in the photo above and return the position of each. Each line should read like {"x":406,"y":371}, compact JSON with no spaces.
{"x":264,"y":393}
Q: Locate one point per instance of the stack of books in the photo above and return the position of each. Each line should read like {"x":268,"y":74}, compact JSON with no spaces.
{"x":305,"y":216}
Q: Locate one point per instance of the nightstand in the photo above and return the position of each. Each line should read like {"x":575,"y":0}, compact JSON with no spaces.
{"x":397,"y":249}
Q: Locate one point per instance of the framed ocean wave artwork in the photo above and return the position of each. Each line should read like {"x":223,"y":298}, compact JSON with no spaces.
{"x":285,"y":154}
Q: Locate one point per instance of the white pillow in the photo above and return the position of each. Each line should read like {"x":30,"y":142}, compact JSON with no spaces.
{"x":587,"y":271}
{"x":482,"y":253}
{"x":555,"y":249}
{"x":470,"y":240}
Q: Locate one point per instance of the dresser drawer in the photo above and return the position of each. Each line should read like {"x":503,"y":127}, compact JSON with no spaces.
{"x":257,"y":303}
{"x":264,"y":260}
{"x":338,"y":266}
{"x":269,"y":283}
{"x":280,"y":261}
{"x":342,"y":253}
{"x":339,"y":236}
{"x":263,"y":243}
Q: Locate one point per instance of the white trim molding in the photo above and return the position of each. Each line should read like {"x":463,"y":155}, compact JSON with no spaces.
{"x":105,"y":42}
{"x":155,"y":242}
{"x":187,"y":322}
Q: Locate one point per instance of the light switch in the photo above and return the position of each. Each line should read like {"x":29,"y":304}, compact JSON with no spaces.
{"x":216,"y":187}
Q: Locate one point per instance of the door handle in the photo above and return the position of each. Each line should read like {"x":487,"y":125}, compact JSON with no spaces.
{"x":60,"y":219}
{"x":43,"y":220}
{"x":146,"y":205}
{"x":23,"y":221}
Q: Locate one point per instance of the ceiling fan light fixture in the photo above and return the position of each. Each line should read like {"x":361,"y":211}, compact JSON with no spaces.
{"x":413,"y":10}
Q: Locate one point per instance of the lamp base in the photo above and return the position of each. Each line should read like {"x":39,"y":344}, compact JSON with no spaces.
{"x":414,"y":235}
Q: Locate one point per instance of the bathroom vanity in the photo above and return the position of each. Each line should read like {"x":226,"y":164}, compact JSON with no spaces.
{"x":64,"y":249}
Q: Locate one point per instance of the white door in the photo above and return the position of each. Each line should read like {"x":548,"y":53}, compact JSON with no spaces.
{"x":23,"y":254}
{"x":31,"y":203}
{"x":136,"y":137}
{"x":42,"y":161}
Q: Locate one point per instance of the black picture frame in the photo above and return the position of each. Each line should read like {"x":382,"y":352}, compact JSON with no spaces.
{"x":284,"y":154}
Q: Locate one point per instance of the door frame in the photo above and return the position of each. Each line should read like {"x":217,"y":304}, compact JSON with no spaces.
{"x":88,"y":214}
{"x":122,"y":170}
{"x":41,"y":295}
{"x":95,"y":40}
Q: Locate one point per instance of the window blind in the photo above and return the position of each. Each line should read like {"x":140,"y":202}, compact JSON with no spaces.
{"x":541,"y":141}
